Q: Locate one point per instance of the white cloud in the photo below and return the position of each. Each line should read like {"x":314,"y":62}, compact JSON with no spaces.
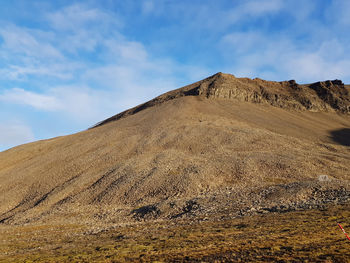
{"x":218,"y":15}
{"x":82,"y":103}
{"x":126,"y":51}
{"x":130,"y":85}
{"x":27,"y":52}
{"x":307,"y":49}
{"x":15,"y":72}
{"x":125,"y":75}
{"x":280,"y":57}
{"x":243,"y":42}
{"x":54,"y":52}
{"x":81,"y":40}
{"x":32,"y":43}
{"x":76,"y":16}
{"x":314,"y":66}
{"x":76,"y":102}
{"x":82,"y":27}
{"x":258,"y":7}
{"x":14,"y":133}
{"x":249,"y":9}
{"x":33,"y":99}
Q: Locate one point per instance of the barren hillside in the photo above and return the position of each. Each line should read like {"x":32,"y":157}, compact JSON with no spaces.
{"x":223,"y":143}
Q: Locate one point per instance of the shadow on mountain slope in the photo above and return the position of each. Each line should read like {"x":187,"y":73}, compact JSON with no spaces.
{"x":341,"y":136}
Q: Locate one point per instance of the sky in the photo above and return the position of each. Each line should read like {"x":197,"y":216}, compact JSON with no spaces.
{"x":66,"y":65}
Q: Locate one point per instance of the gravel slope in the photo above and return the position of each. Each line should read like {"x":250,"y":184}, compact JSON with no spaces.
{"x":191,"y":151}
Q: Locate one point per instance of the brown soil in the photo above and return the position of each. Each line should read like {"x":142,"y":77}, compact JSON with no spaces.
{"x":219,"y":146}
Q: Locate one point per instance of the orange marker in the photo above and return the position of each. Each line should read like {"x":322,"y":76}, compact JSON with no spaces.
{"x":344,"y":231}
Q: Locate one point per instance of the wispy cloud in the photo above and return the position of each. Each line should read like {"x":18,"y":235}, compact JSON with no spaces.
{"x":83,"y":27}
{"x":75,"y":102}
{"x":78,"y":16}
{"x":279,"y":57}
{"x":33,"y":99}
{"x":16,"y":72}
{"x":86,"y":90}
{"x":252,"y":8}
{"x":306,"y":49}
{"x":28,"y":42}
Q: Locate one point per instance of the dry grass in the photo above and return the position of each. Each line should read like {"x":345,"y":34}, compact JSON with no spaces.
{"x":303,"y":236}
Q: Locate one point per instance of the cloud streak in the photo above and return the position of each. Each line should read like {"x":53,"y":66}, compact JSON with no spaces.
{"x":31,"y":43}
{"x":35,"y":100}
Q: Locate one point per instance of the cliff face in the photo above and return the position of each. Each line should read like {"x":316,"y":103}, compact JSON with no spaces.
{"x":334,"y":94}
{"x":327,"y":96}
{"x":320,"y":96}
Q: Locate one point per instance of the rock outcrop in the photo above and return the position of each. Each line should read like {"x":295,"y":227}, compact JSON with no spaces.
{"x":326,"y":96}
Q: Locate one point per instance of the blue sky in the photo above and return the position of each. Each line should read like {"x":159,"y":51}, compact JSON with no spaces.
{"x":65,"y":65}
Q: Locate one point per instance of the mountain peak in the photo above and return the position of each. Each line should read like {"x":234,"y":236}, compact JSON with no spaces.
{"x":221,"y":74}
{"x":326,"y":96}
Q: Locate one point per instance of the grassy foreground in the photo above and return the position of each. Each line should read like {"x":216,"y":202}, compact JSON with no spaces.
{"x":300,"y":236}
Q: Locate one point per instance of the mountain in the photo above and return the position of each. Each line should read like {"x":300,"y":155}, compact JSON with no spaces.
{"x":223,"y":145}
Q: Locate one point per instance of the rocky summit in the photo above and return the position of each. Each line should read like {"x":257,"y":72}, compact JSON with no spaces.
{"x":327,"y":96}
